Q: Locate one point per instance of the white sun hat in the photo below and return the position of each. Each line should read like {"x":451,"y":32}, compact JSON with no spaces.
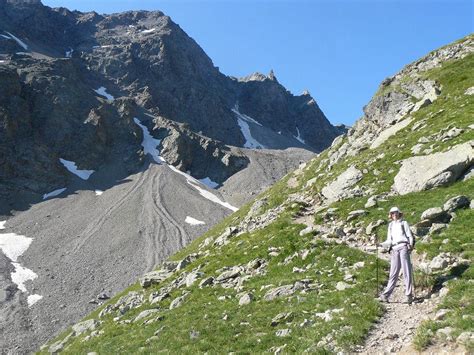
{"x":394,"y":209}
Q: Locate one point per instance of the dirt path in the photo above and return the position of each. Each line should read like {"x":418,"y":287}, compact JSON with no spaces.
{"x":396,"y":328}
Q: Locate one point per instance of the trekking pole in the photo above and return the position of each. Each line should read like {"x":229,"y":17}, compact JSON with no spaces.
{"x":412,"y":277}
{"x":376,"y":266}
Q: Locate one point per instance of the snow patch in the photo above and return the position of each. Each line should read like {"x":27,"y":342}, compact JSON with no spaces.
{"x":242,"y":121}
{"x":204,"y":193}
{"x":193,"y":221}
{"x":2,"y":224}
{"x":2,"y":61}
{"x":19,"y":41}
{"x":69,"y":53}
{"x":103,"y":92}
{"x":14,"y":245}
{"x":32,"y":299}
{"x":298,"y":137}
{"x":98,"y":192}
{"x":21,"y":275}
{"x":71,"y":166}
{"x":6,"y":37}
{"x":54,"y":193}
{"x":149,"y":143}
{"x":148,"y":31}
{"x":209,"y":183}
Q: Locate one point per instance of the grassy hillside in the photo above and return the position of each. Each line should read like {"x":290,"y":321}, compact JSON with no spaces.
{"x":328,"y":303}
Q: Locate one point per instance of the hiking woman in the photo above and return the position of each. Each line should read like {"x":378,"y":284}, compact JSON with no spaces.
{"x":400,"y":241}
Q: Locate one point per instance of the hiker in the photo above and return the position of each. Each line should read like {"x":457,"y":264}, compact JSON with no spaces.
{"x":400,"y":242}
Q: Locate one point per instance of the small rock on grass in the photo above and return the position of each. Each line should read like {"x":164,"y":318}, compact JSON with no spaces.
{"x":283,"y":332}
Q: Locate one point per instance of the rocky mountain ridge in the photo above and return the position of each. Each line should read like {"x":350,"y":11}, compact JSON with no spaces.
{"x":296,"y":269}
{"x":52,"y":60}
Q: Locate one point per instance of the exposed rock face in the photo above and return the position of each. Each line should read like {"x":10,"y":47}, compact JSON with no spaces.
{"x":49,"y":109}
{"x":426,"y":172}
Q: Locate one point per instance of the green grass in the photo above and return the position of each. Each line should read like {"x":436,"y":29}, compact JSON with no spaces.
{"x":248,"y":327}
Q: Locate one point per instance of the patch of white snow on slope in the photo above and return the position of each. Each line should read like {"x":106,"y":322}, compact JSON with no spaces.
{"x":71,"y":166}
{"x":204,"y":193}
{"x":148,"y":31}
{"x":298,"y":137}
{"x":32,"y":299}
{"x":13,"y":246}
{"x":98,"y":192}
{"x":209,"y":183}
{"x":69,"y":53}
{"x":54,"y":193}
{"x":19,"y":41}
{"x":102,"y":91}
{"x":149,"y":143}
{"x":193,"y":221}
{"x":21,"y":275}
{"x":2,"y":224}
{"x":242,"y":121}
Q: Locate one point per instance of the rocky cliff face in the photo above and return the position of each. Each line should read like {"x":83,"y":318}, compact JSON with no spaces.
{"x":53,"y":61}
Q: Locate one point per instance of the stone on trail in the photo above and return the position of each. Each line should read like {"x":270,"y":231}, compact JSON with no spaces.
{"x":426,"y":172}
{"x":438,"y":263}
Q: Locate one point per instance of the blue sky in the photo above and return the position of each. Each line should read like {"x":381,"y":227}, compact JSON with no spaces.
{"x":339,"y":50}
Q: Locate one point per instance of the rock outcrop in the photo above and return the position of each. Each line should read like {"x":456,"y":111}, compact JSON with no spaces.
{"x":438,"y":169}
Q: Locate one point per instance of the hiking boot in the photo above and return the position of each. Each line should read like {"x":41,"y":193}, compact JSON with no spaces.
{"x":383,"y":298}
{"x":409,"y":299}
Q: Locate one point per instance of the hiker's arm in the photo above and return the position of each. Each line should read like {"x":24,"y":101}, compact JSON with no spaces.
{"x":388,"y":241}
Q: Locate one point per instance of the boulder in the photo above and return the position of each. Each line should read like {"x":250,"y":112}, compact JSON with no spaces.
{"x":178,"y":301}
{"x":438,"y":263}
{"x":281,"y":317}
{"x":469,"y":91}
{"x":373,"y":226}
{"x":230,"y":274}
{"x":283,"y":332}
{"x":455,"y":203}
{"x":154,"y":277}
{"x":437,"y":227}
{"x":426,"y":172}
{"x":371,"y":202}
{"x":342,"y":186}
{"x":246,"y":299}
{"x":341,"y":286}
{"x":387,"y":133}
{"x":145,"y":314}
{"x":354,"y":214}
{"x":281,"y":291}
{"x":436,"y":214}
{"x":85,"y":326}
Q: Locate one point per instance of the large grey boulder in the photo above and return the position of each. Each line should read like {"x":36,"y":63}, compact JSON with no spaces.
{"x":434,"y":170}
{"x":154,"y":277}
{"x":456,"y":202}
{"x":435,"y":214}
{"x":342,"y":186}
{"x":387,"y":133}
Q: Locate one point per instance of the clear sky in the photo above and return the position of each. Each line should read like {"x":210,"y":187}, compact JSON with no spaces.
{"x":339,"y":50}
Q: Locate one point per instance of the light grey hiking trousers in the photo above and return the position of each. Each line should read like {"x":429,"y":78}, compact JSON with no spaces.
{"x":400,"y":259}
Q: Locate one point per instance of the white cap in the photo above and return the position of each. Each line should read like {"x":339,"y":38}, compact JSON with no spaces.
{"x":394,"y":209}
